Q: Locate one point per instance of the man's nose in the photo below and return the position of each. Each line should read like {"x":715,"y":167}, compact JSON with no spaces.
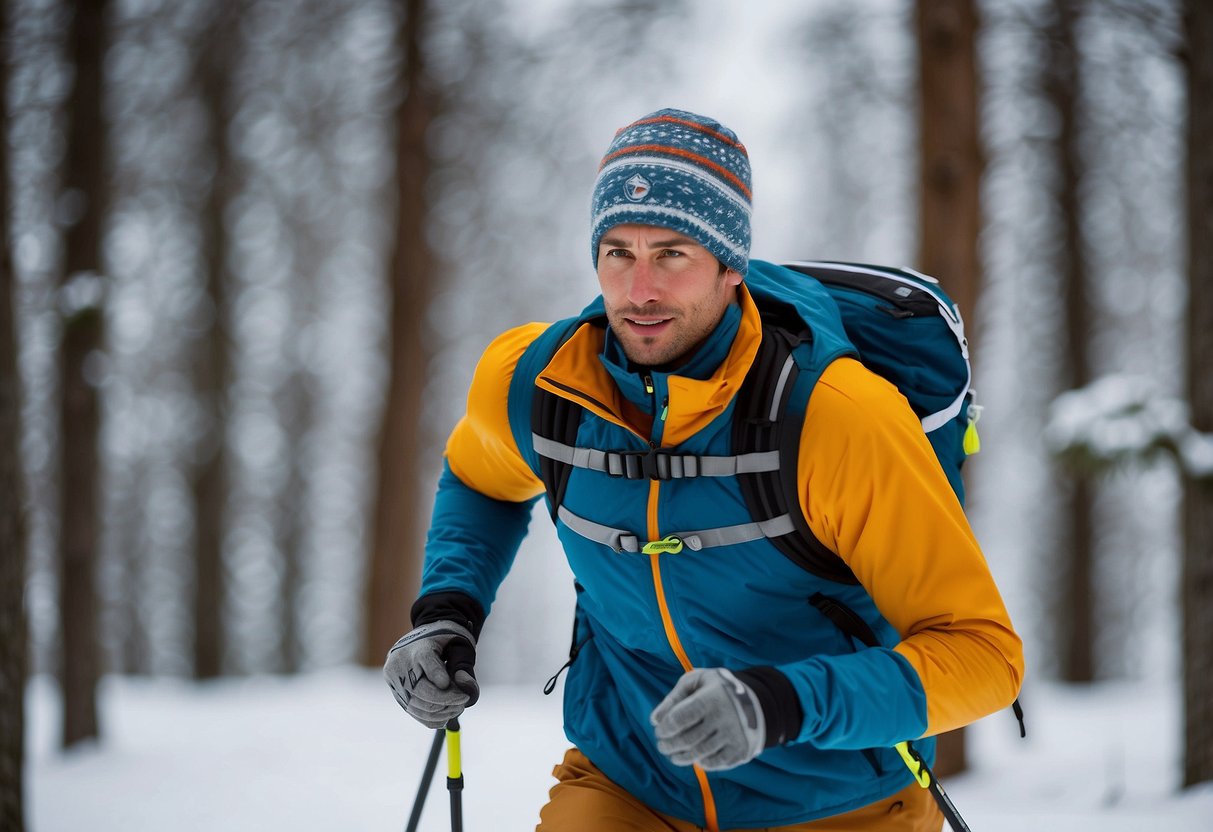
{"x":644,"y":287}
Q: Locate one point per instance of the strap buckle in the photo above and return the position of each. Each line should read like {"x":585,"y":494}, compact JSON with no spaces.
{"x":653,"y":464}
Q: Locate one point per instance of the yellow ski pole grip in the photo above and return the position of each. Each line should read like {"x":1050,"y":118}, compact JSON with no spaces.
{"x":454,"y":774}
{"x":454,"y":761}
{"x":914,"y":764}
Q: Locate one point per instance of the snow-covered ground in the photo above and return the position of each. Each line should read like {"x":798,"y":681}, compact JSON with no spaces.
{"x":332,"y":751}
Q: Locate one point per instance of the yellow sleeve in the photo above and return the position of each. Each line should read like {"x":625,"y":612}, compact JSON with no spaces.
{"x":873,"y":491}
{"x":481,"y":449}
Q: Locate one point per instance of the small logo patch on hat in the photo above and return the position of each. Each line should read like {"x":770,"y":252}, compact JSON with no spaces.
{"x":637,"y":188}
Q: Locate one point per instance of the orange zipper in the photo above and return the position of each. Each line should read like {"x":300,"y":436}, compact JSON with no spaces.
{"x":603,"y":411}
{"x":709,"y":802}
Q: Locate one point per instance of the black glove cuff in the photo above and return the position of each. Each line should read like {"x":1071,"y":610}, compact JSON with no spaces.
{"x":778,"y":700}
{"x":449,"y":606}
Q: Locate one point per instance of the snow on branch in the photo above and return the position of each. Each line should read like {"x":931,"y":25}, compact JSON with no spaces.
{"x":1123,"y":419}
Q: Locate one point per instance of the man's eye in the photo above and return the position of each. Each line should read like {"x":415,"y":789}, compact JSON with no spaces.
{"x":618,"y":252}
{"x":670,"y":252}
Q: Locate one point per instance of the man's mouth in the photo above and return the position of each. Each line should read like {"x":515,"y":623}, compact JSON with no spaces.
{"x":647,"y":321}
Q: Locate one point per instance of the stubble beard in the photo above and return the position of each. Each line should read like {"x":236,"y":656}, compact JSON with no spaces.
{"x":690,"y":328}
{"x":646,"y":351}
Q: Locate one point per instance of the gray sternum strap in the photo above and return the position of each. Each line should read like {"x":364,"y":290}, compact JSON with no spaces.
{"x":621,"y":540}
{"x":655,"y":464}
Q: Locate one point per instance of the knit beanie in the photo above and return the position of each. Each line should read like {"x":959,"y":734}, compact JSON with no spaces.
{"x":680,"y":171}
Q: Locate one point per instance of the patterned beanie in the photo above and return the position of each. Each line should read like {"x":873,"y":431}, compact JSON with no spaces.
{"x":680,"y":171}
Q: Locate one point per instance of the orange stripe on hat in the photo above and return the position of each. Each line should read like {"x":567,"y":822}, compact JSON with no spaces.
{"x":694,"y":125}
{"x":686,"y":154}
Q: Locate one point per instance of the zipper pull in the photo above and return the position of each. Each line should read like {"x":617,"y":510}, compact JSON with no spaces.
{"x":670,"y":543}
{"x":648,"y":385}
{"x":574,"y":650}
{"x":972,"y":442}
{"x":665,"y":408}
{"x":550,"y":685}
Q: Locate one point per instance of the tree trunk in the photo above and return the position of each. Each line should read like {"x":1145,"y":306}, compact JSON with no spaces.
{"x":1197,"y":572}
{"x":295,"y":407}
{"x":13,"y":537}
{"x":950,"y":152}
{"x":1063,"y":89}
{"x":951,"y":164}
{"x":212,"y":360}
{"x":396,"y":554}
{"x":130,"y":547}
{"x":82,"y":336}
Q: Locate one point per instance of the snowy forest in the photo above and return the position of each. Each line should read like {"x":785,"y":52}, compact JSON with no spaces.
{"x":250,"y":251}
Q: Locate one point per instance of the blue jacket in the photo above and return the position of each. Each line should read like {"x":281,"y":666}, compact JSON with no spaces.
{"x":871,"y":489}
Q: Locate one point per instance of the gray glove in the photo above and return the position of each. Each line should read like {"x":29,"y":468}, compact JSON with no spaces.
{"x":431,"y":672}
{"x":711,"y":718}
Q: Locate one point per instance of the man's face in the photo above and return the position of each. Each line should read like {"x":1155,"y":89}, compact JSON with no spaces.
{"x":664,"y":292}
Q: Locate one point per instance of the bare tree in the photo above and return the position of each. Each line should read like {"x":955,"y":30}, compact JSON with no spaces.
{"x":950,"y":168}
{"x":212,"y":353}
{"x":395,"y":568}
{"x":1063,"y":89}
{"x":82,"y":337}
{"x":13,"y":536}
{"x":295,"y":400}
{"x":1197,"y":515}
{"x":951,"y":160}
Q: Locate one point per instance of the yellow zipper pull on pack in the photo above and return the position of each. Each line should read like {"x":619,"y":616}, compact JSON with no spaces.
{"x":972,"y":442}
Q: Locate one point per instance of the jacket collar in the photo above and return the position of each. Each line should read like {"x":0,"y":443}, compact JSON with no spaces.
{"x":634,"y":381}
{"x":577,"y":372}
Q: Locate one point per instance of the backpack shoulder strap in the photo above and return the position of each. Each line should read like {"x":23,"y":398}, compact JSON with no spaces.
{"x":767,"y":425}
{"x":769,"y":416}
{"x":534,"y":411}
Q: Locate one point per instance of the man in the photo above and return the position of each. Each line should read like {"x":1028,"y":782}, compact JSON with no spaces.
{"x":705,"y":691}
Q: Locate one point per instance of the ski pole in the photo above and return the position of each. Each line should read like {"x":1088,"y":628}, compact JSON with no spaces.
{"x":454,"y":774}
{"x":431,"y":764}
{"x":926,"y":778}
